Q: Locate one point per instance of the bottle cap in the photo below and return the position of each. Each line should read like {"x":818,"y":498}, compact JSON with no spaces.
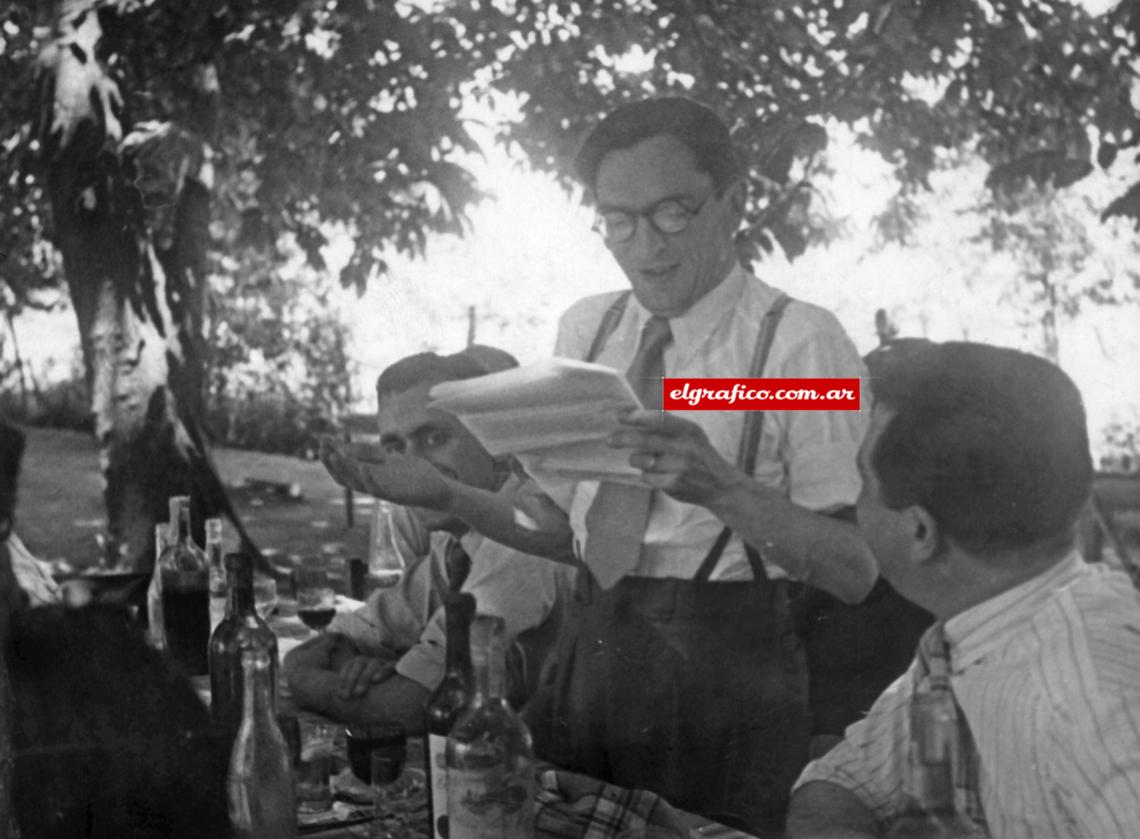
{"x":213,"y":530}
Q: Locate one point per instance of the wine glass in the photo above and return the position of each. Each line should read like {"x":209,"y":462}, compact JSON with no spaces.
{"x":316,"y":600}
{"x":264,"y":595}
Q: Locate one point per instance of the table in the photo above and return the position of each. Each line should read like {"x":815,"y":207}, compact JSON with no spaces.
{"x":291,"y":632}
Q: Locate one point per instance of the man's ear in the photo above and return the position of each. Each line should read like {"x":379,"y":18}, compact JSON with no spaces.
{"x":925,"y":535}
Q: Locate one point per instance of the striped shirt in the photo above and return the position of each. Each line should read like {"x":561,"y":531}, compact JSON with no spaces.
{"x":1047,"y":675}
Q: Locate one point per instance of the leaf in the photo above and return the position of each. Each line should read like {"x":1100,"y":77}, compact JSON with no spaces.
{"x":1126,"y":206}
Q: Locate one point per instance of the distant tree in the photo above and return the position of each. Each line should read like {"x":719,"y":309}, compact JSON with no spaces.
{"x":143,"y":136}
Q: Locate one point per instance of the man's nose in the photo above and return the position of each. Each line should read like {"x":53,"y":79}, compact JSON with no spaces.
{"x":646,"y":240}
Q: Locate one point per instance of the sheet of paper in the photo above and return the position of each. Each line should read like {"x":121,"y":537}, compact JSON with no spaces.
{"x":555,"y":415}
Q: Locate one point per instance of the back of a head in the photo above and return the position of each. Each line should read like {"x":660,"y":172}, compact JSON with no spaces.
{"x":693,"y":124}
{"x":431,"y":368}
{"x":109,"y":741}
{"x":991,"y":441}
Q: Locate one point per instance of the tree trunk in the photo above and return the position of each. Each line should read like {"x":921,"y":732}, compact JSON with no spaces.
{"x":130,"y":208}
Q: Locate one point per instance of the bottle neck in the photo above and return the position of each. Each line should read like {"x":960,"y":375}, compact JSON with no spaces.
{"x":490,"y":674}
{"x":240,"y":601}
{"x":458,"y":642}
{"x":934,"y":738}
{"x":184,"y":524}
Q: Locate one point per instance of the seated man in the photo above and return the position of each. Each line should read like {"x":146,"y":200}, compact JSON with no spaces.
{"x":975,"y":469}
{"x":99,"y":737}
{"x":345,"y":673}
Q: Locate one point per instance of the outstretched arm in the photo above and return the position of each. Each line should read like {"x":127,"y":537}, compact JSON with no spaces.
{"x":528,"y":523}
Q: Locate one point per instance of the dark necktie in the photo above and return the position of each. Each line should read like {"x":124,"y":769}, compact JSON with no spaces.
{"x":616,"y":520}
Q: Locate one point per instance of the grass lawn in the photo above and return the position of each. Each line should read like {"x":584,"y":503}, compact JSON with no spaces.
{"x":60,"y":510}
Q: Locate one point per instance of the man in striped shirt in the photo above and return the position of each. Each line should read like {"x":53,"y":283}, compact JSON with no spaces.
{"x":975,"y":469}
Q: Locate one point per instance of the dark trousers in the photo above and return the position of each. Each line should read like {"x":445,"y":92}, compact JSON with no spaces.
{"x":694,"y":690}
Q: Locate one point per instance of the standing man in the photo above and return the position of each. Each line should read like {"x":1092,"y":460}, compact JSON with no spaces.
{"x":975,"y":472}
{"x":684,"y":675}
{"x":679,"y":670}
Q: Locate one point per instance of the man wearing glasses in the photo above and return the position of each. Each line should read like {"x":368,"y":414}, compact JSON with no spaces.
{"x":684,"y":675}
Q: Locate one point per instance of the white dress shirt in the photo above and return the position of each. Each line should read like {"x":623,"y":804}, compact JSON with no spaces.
{"x":1048,"y":678}
{"x":809,"y":455}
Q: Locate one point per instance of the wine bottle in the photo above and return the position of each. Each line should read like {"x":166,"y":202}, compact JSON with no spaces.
{"x":240,"y":631}
{"x":185,"y":599}
{"x":446,"y":703}
{"x":163,"y":537}
{"x":490,"y":758}
{"x":930,"y":811}
{"x":217,"y":578}
{"x":260,"y":784}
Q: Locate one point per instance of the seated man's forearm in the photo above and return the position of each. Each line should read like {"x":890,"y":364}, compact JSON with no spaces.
{"x":312,"y":673}
{"x":812,"y":547}
{"x":823,"y":810}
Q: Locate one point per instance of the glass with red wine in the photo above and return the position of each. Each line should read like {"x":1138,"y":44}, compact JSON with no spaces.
{"x":316,"y":600}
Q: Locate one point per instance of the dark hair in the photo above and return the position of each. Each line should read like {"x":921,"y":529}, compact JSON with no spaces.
{"x":415,"y":370}
{"x":109,"y":741}
{"x":991,"y":441}
{"x":698,"y":127}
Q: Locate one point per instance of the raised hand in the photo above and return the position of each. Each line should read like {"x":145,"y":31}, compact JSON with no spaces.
{"x":675,"y":456}
{"x":392,"y":476}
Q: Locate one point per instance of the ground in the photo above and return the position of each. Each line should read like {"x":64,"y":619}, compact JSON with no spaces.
{"x":60,"y":512}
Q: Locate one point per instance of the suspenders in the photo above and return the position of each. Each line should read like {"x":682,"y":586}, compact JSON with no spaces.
{"x":753,"y":420}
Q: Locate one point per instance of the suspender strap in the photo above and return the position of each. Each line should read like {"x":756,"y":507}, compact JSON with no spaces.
{"x":608,"y":324}
{"x":749,"y":440}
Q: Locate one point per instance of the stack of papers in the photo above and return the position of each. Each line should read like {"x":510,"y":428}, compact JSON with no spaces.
{"x":554,"y":415}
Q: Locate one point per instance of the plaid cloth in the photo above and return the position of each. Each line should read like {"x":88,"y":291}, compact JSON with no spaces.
{"x":569,"y":806}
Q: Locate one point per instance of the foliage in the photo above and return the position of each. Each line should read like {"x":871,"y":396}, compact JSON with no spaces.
{"x":279,"y":367}
{"x":65,"y":403}
{"x":352,"y":111}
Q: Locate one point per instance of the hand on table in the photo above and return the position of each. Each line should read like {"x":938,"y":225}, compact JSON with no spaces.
{"x":675,"y":456}
{"x":360,"y":673}
{"x":389,"y":475}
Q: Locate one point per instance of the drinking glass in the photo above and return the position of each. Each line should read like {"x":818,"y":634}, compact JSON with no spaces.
{"x":396,"y":788}
{"x":386,"y":738}
{"x":316,"y":600}
{"x":315,"y":767}
{"x":264,"y":595}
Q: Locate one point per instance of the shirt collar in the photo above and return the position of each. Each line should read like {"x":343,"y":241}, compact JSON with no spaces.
{"x":692,"y":328}
{"x":980,"y":629}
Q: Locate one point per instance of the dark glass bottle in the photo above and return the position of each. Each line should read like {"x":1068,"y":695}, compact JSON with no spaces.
{"x":240,"y":631}
{"x":260,"y":784}
{"x":447,"y":702}
{"x":185,"y":598}
{"x":490,"y":758}
{"x":930,"y":811}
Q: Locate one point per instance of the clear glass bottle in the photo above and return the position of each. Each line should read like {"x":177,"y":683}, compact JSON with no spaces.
{"x":218,"y":596}
{"x":185,"y":599}
{"x":930,"y":811}
{"x":240,"y":631}
{"x":490,"y":758}
{"x":385,"y":562}
{"x":446,"y":703}
{"x":164,"y":535}
{"x":260,"y":784}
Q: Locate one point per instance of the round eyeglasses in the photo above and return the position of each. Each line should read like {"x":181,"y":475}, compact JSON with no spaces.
{"x":668,"y":217}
